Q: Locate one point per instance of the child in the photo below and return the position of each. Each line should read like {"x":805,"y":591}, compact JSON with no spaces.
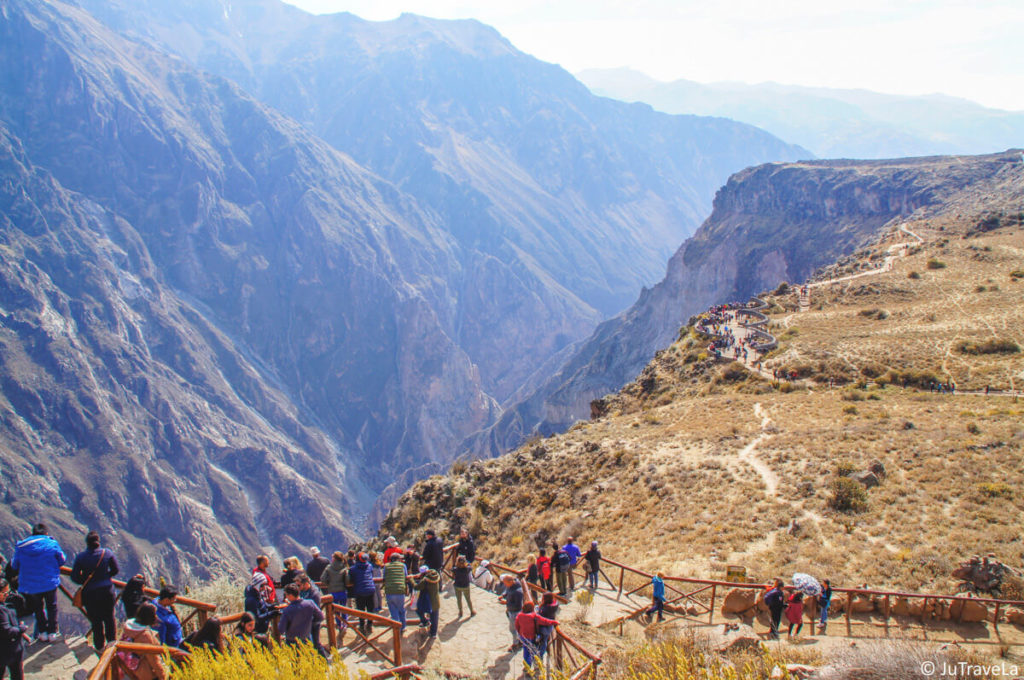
{"x":824,"y":600}
{"x":795,"y":612}
{"x":658,"y":597}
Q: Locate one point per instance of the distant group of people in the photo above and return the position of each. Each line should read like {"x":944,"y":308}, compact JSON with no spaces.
{"x":793,"y":607}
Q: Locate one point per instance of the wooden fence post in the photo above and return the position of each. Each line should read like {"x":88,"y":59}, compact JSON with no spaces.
{"x":396,"y":637}
{"x":849,"y":610}
{"x":711,"y":612}
{"x":622,"y":577}
{"x":332,"y":628}
{"x":886,"y":613}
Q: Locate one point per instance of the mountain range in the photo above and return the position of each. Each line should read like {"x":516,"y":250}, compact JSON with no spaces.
{"x":831,"y":122}
{"x":260,"y":265}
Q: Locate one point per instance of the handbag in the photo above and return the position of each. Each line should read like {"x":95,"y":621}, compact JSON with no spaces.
{"x":76,"y":599}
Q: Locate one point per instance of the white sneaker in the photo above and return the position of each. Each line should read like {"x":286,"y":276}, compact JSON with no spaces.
{"x":54,"y":637}
{"x":43,"y":637}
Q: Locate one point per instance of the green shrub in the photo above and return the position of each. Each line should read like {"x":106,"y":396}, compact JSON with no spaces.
{"x":845,"y":468}
{"x":936,"y":264}
{"x":847,"y":495}
{"x":997,"y":346}
{"x":782,"y":288}
{"x":995,"y":490}
{"x":914,"y":275}
{"x":875,"y":313}
{"x":973,"y":428}
{"x":1017,"y":274}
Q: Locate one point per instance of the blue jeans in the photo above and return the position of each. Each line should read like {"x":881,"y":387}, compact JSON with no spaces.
{"x":592,"y":579}
{"x":396,"y":606}
{"x":529,"y":651}
{"x":824,"y":613}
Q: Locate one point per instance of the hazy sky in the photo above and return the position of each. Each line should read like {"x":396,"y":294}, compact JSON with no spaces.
{"x":969,"y":48}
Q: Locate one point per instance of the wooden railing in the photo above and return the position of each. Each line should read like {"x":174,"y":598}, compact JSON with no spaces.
{"x":110,"y":666}
{"x":201,"y":611}
{"x":711,"y":586}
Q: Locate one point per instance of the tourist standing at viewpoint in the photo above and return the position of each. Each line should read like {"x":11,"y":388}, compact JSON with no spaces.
{"x":396,"y":585}
{"x":298,"y":617}
{"x":316,"y":565}
{"x":168,"y":623}
{"x":139,"y":629}
{"x":433,"y":552}
{"x":12,"y":637}
{"x":513,"y":601}
{"x":463,"y":580}
{"x":466,"y":547}
{"x":38,"y":560}
{"x":824,"y":602}
{"x":562,"y":562}
{"x":93,"y":569}
{"x":574,"y":553}
{"x":775,"y":599}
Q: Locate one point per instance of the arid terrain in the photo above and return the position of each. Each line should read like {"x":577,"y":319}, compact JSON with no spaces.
{"x":698,"y":465}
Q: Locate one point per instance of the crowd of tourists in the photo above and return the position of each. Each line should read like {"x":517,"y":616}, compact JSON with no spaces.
{"x":398,"y":579}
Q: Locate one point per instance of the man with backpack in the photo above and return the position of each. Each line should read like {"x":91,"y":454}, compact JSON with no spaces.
{"x":38,"y":560}
{"x":563,"y":567}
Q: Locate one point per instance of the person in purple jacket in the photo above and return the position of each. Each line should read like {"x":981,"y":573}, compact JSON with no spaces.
{"x":38,"y":560}
{"x":297,"y":619}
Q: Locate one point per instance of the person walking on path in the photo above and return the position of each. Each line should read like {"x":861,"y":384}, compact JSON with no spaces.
{"x":139,"y":629}
{"x":775,"y":599}
{"x":298,"y":617}
{"x":168,"y":623}
{"x":364,"y":589}
{"x":513,"y":601}
{"x":93,"y":569}
{"x":824,"y":601}
{"x":592,"y":564}
{"x":430,"y":586}
{"x":574,"y":553}
{"x":544,"y":565}
{"x":795,"y":613}
{"x":658,"y":596}
{"x":463,"y":580}
{"x":315,"y":567}
{"x":38,"y":560}
{"x":12,"y":637}
{"x":563,"y":567}
{"x":527,"y":627}
{"x":466,"y":547}
{"x":396,"y":585}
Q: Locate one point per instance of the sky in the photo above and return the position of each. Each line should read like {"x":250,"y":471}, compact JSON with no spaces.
{"x":972,"y":49}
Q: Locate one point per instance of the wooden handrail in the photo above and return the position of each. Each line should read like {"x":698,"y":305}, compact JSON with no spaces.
{"x":400,"y":671}
{"x":579,"y":648}
{"x":103,"y":669}
{"x":186,"y":601}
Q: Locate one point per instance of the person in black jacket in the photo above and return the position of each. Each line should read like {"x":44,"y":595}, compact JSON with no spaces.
{"x":316,"y":566}
{"x":12,"y":638}
{"x":133,"y":594}
{"x":433,"y":552}
{"x":93,"y":570}
{"x":466,"y":547}
{"x":776,"y":601}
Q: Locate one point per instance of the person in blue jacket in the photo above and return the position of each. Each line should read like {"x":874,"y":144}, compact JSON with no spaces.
{"x":574,"y":556}
{"x":658,"y":596}
{"x":38,"y":560}
{"x":167,"y":622}
{"x":363,"y":588}
{"x":12,"y":635}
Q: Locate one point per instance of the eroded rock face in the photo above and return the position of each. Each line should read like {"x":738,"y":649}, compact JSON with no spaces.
{"x":770,"y":223}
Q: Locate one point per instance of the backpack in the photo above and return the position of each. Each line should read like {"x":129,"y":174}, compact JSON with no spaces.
{"x":562,"y":560}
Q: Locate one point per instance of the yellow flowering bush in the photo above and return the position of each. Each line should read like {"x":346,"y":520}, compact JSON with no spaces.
{"x":256,"y":662}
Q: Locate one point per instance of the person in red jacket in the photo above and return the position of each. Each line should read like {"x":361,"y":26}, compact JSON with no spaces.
{"x":544,"y":566}
{"x":528,"y":625}
{"x":795,"y":613}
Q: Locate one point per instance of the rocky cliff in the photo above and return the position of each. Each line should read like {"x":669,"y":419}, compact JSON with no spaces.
{"x":562,"y":204}
{"x":772,"y":223}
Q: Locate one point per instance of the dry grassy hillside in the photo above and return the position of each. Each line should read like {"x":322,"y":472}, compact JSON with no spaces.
{"x":696,"y":465}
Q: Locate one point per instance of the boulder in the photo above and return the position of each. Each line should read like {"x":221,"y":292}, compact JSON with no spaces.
{"x":901,"y":607}
{"x":862,"y":604}
{"x":968,"y":611}
{"x":868,"y":479}
{"x":744,"y":639}
{"x":739,"y":600}
{"x":1015,"y":616}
